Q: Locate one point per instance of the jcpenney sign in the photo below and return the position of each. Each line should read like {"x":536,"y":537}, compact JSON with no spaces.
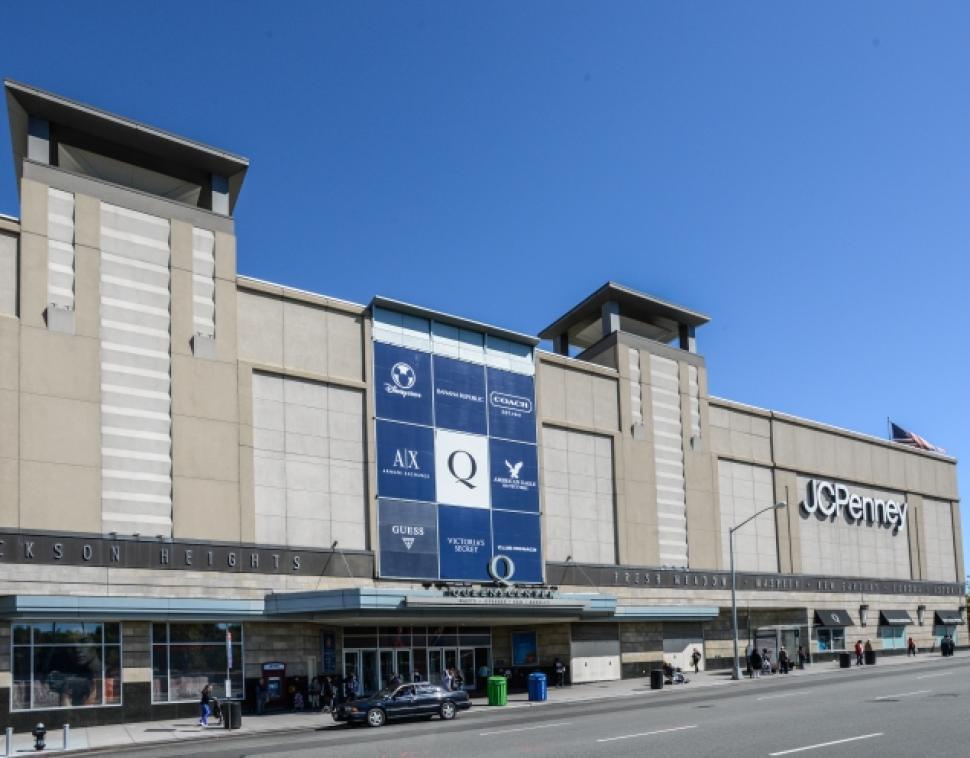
{"x":831,"y":498}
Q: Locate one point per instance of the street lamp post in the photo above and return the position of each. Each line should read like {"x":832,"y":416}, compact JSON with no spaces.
{"x":736,"y":668}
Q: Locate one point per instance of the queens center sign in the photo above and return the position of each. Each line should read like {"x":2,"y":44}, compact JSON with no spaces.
{"x":829,"y":499}
{"x":457,"y":464}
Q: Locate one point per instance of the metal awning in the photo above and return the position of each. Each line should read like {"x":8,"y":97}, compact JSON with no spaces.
{"x":894,"y":618}
{"x":127,"y":607}
{"x":833,"y":617}
{"x":946,"y":618}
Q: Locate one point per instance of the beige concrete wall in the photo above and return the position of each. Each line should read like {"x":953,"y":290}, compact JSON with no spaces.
{"x":9,"y":421}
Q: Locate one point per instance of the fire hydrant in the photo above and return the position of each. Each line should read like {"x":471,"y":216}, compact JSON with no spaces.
{"x":40,"y":732}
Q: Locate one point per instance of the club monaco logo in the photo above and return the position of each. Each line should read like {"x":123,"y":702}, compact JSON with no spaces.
{"x":403,"y":379}
{"x":831,"y":498}
{"x":512,"y":403}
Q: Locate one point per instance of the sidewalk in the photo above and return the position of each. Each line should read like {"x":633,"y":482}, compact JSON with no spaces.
{"x":145,"y":732}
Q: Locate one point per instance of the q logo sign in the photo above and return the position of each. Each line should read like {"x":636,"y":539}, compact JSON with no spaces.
{"x":463,"y":467}
{"x":501,"y":568}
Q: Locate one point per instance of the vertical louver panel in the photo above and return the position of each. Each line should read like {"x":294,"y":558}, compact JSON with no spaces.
{"x":636,"y":394}
{"x":693,"y":390}
{"x":669,"y":460}
{"x":204,"y":282}
{"x":60,"y":248}
{"x":136,"y":419}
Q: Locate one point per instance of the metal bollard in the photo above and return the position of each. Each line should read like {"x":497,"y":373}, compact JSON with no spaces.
{"x":67,"y":735}
{"x":9,"y":741}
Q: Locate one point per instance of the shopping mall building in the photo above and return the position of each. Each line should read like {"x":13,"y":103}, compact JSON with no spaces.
{"x":205,"y":477}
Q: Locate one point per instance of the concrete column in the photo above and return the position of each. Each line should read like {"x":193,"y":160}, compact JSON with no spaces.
{"x":220,"y":194}
{"x":611,"y":317}
{"x":688,"y":341}
{"x":560,"y":344}
{"x":38,"y":140}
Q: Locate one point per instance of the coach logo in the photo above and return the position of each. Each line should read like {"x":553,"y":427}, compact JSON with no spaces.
{"x":509,"y":402}
{"x":463,"y":467}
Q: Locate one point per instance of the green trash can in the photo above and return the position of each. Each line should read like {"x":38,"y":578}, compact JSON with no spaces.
{"x":498,"y":690}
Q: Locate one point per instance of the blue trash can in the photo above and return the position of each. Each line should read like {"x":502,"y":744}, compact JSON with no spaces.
{"x":538,"y":687}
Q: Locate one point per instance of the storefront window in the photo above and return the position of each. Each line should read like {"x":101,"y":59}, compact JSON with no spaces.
{"x":187,"y":656}
{"x":892,"y":637}
{"x":830,"y":638}
{"x":66,"y":664}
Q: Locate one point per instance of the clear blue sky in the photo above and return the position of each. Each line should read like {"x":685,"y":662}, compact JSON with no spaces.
{"x":800,"y":171}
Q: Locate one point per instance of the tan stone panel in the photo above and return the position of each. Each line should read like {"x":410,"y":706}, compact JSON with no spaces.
{"x":61,"y":365}
{"x":345,"y":345}
{"x":946,"y":480}
{"x":606,"y":412}
{"x":247,"y":492}
{"x":203,"y":388}
{"x":226,"y":257}
{"x":9,"y":353}
{"x":182,"y":325}
{"x":227,"y":321}
{"x":9,"y":492}
{"x":60,"y":430}
{"x":260,"y":328}
{"x":552,"y":391}
{"x":305,"y":338}
{"x":958,"y":538}
{"x":180,"y":241}
{"x":806,"y":455}
{"x":87,"y":292}
{"x":205,"y":449}
{"x":87,"y":221}
{"x":782,"y":443}
{"x":33,"y":279}
{"x":59,"y":497}
{"x":9,"y":424}
{"x":720,"y":440}
{"x":33,"y":207}
{"x":579,"y":398}
{"x":205,"y":509}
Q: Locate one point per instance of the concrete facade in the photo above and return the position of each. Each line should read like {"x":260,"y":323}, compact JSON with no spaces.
{"x":192,"y":434}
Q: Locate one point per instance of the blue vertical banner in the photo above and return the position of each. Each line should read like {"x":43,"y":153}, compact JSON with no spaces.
{"x":402,"y":384}
{"x":511,"y":406}
{"x":459,"y":395}
{"x":457,"y":461}
{"x":405,"y":461}
{"x":465,"y":542}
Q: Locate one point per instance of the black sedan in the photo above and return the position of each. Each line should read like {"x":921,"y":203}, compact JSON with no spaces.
{"x":418,"y":700}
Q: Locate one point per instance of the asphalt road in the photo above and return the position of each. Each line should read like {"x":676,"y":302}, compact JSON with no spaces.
{"x":907,"y":712}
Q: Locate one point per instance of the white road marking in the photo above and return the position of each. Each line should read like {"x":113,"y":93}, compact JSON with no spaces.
{"x":901,"y":694}
{"x":522,"y":729}
{"x":930,"y":676}
{"x":786,"y":694}
{"x":827,"y":744}
{"x":647,"y":734}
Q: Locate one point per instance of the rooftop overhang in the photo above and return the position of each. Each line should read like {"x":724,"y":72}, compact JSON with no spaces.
{"x":432,"y":606}
{"x":639,"y":314}
{"x":127,"y":607}
{"x":25,"y":101}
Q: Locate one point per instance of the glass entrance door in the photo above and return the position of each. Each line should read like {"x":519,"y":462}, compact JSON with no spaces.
{"x":395,"y":662}
{"x":363,"y":663}
{"x":458,"y":659}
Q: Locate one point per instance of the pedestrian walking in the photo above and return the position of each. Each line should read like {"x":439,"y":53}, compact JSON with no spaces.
{"x":395,"y":681}
{"x":261,"y":697}
{"x":446,"y":680}
{"x":765,"y":661}
{"x":756,"y":663}
{"x":910,"y":647}
{"x":205,"y":707}
{"x":858,"y":652}
{"x":695,"y":659}
{"x":327,"y":691}
{"x":560,"y":669}
{"x":315,"y":694}
{"x":747,"y":659}
{"x":350,"y":686}
{"x":802,"y":657}
{"x":783,"y":662}
{"x":868,"y":652}
{"x":457,"y":680}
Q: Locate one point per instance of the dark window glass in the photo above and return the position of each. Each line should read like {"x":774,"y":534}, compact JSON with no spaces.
{"x":112,"y":675}
{"x":67,"y":676}
{"x":201,"y":633}
{"x":67,"y":633}
{"x":159,"y":673}
{"x":194,"y":666}
{"x":160,"y":633}
{"x":21,"y":634}
{"x":395,"y":636}
{"x":20,"y":697}
{"x":112,"y":633}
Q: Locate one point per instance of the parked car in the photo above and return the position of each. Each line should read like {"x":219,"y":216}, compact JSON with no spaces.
{"x":418,"y":700}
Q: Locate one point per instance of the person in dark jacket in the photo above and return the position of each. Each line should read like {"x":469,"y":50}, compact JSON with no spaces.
{"x":756,"y":662}
{"x":205,"y":707}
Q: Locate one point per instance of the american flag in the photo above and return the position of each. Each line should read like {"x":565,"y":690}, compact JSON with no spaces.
{"x":903,"y":437}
